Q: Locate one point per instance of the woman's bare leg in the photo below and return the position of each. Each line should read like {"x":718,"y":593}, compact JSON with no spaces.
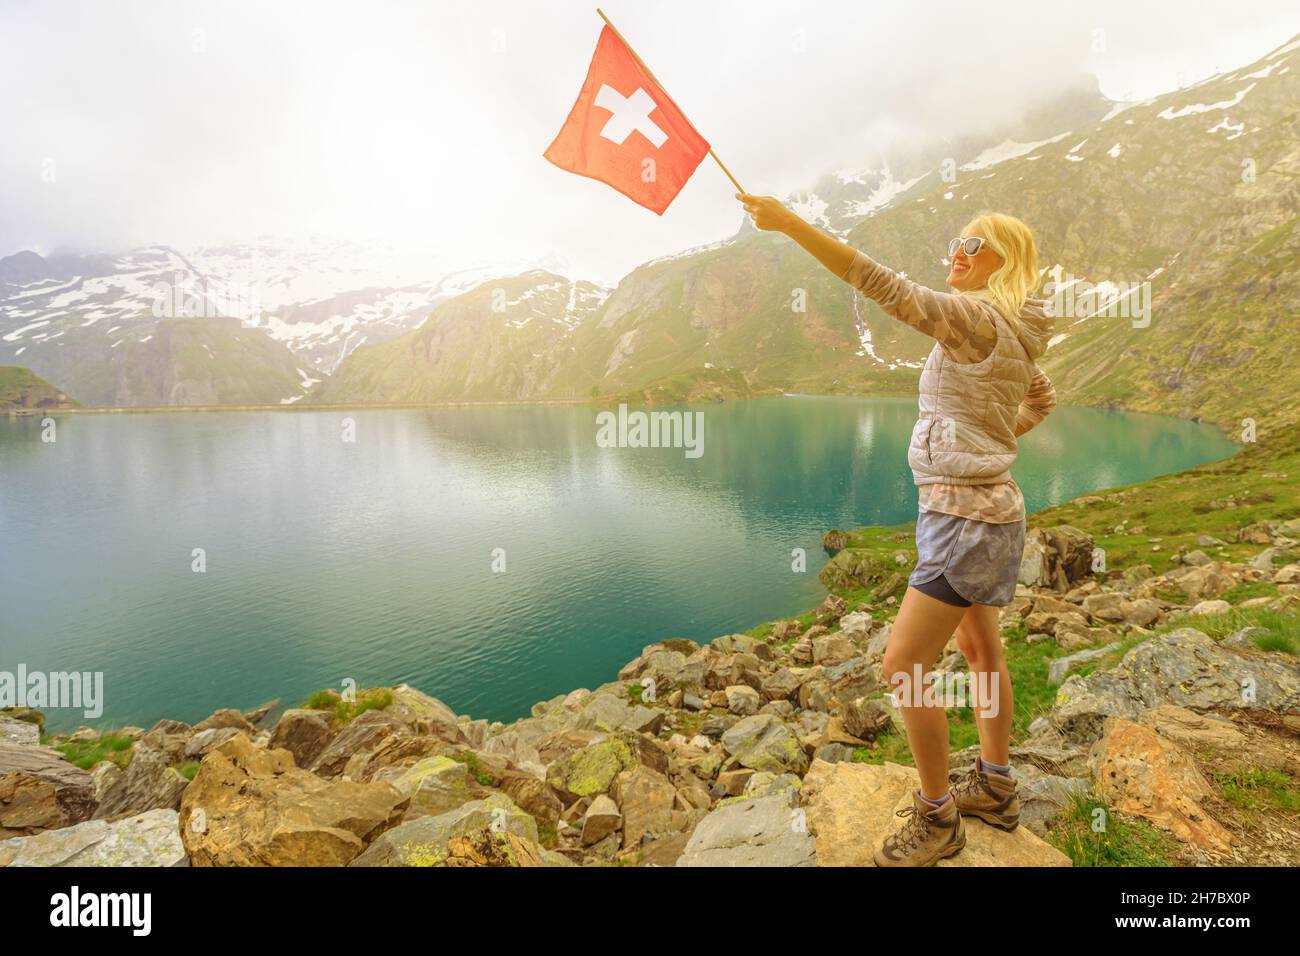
{"x":921,"y":629}
{"x":979,"y":640}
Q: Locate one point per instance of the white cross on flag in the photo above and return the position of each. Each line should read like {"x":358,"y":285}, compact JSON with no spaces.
{"x":625,"y":131}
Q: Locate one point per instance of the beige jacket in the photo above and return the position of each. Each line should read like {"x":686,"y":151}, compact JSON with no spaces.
{"x":965,"y":433}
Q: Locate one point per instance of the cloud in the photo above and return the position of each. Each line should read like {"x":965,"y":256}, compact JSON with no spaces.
{"x":191,"y":122}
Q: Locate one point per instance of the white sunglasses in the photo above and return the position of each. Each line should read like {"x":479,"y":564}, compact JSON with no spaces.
{"x":971,"y":246}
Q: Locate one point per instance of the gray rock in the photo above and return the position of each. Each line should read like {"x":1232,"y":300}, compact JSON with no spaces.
{"x":423,"y":841}
{"x":434,"y":784}
{"x":856,"y":625}
{"x":770,"y":784}
{"x":833,"y":753}
{"x":1060,"y":666}
{"x":610,"y":713}
{"x":1184,"y":667}
{"x":692,"y":701}
{"x":206,"y":741}
{"x":146,"y":784}
{"x":718,"y":725}
{"x":147,"y":839}
{"x":763,"y":742}
{"x":1264,"y":560}
{"x":852,"y":679}
{"x":759,"y":831}
{"x":879,"y":641}
{"x":784,"y":683}
{"x":833,"y":648}
{"x":743,"y":700}
{"x":19,"y":732}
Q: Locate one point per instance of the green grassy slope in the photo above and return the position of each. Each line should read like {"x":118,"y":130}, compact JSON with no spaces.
{"x":21,"y":388}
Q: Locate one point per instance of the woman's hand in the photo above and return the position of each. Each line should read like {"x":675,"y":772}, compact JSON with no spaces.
{"x":767,"y":213}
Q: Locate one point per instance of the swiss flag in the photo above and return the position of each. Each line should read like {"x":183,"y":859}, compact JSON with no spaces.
{"x":625,"y":131}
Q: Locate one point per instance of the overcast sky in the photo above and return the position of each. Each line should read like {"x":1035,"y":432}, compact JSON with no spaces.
{"x":183,"y":122}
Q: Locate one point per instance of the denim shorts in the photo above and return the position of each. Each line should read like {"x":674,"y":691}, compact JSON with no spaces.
{"x":980,"y":560}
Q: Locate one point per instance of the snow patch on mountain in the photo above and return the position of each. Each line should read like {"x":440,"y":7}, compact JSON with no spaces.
{"x":1169,"y":113}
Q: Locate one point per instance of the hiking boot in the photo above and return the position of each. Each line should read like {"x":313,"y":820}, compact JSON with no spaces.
{"x":928,"y":835}
{"x":991,"y":797}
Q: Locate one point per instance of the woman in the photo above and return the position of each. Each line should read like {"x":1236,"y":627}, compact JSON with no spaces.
{"x":980,"y":391}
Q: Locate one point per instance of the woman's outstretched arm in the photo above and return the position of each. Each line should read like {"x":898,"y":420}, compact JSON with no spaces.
{"x":964,"y":327}
{"x":769,"y":214}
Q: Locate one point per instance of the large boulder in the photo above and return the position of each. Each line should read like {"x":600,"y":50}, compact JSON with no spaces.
{"x":224,"y":719}
{"x":667,"y":669}
{"x":1197,"y":733}
{"x":146,"y":839}
{"x":609,"y":712}
{"x":1197,"y":583}
{"x":601,"y":819}
{"x":861,"y":569}
{"x":23,"y":732}
{"x":851,"y":807}
{"x":752,"y":831}
{"x":1183,"y":667}
{"x":426,"y":716}
{"x":363,"y":734}
{"x":762,"y":742}
{"x":205,"y":741}
{"x":304,"y":733}
{"x":397,"y":751}
{"x":253,"y":807}
{"x":169,"y":738}
{"x":147,"y":783}
{"x":424,"y":841}
{"x":1056,"y":558}
{"x":40,"y":790}
{"x":434,"y":784}
{"x":591,"y":770}
{"x":648,"y":801}
{"x":783,"y":684}
{"x":1141,"y":774}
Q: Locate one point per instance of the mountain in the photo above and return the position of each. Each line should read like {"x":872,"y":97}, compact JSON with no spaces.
{"x":742,"y":316}
{"x":21,"y":389}
{"x":841,"y":199}
{"x":74,"y":318}
{"x":1187,"y":202}
{"x":506,"y":339}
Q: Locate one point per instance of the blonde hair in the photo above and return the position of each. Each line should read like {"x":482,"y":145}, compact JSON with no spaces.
{"x":1010,"y":285}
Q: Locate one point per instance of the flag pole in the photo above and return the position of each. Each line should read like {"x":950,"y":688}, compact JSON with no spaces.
{"x":650,"y":73}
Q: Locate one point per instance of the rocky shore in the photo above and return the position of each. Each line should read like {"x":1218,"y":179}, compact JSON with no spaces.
{"x":1164,"y":709}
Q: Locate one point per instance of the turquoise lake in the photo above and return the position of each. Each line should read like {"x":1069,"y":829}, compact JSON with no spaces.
{"x":373,"y":560}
